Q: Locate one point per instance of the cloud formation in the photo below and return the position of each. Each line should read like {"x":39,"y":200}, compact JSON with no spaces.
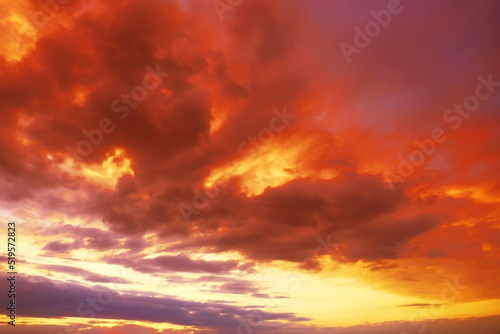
{"x":156,"y":137}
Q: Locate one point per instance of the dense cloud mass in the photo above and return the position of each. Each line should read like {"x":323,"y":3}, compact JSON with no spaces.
{"x":146,"y":133}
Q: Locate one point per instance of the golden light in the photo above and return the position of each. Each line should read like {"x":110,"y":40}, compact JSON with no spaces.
{"x":18,"y":36}
{"x":79,"y":97}
{"x":476,"y":193}
{"x":103,"y":323}
{"x":270,"y":165}
{"x":106,"y":173}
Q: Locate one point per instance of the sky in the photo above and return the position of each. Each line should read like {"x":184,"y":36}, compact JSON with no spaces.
{"x":251,"y":166}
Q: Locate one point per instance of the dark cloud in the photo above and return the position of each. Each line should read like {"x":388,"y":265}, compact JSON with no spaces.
{"x":40,"y":297}
{"x":91,"y":238}
{"x":354,"y":119}
{"x":174,"y":263}
{"x":384,"y":240}
{"x":238,"y":288}
{"x":286,"y":222}
{"x":62,"y":247}
{"x":247,"y":74}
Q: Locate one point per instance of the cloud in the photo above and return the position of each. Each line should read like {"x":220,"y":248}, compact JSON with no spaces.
{"x":85,"y":274}
{"x":174,"y":263}
{"x":324,"y":176}
{"x":420,"y":305}
{"x":41,"y":297}
{"x":91,"y":238}
{"x":354,"y":210}
{"x":168,"y":136}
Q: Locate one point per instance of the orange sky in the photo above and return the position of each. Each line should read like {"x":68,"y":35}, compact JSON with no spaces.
{"x":251,"y":166}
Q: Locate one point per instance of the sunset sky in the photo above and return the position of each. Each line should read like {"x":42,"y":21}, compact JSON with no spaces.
{"x":251,"y":166}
